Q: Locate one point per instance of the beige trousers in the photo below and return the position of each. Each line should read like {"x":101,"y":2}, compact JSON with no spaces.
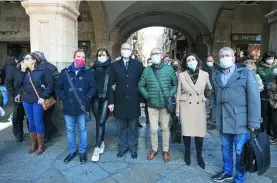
{"x":162,"y":116}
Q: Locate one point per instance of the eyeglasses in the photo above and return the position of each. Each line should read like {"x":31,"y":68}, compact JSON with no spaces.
{"x":28,"y":58}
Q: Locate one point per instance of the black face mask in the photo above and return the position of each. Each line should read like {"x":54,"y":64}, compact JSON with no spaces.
{"x":175,"y":67}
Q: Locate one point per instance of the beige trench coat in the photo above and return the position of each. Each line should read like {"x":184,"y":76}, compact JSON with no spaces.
{"x":190,"y":102}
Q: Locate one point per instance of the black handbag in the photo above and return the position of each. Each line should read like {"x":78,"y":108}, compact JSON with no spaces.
{"x":256,"y":153}
{"x":175,"y":129}
{"x":83,"y":108}
{"x":170,"y":101}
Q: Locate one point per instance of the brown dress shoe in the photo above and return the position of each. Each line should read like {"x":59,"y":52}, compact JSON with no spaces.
{"x":152,"y":155}
{"x":166,"y":157}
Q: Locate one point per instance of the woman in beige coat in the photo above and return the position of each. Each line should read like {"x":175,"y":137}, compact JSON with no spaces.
{"x":193,"y":89}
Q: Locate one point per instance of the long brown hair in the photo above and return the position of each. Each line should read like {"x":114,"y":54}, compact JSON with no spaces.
{"x":35,"y":57}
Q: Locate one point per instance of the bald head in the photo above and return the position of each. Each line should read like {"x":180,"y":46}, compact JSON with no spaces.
{"x":126,"y":46}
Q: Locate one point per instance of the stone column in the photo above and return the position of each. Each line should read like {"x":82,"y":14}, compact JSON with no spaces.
{"x":3,"y":53}
{"x":53,"y":29}
{"x":272,"y":20}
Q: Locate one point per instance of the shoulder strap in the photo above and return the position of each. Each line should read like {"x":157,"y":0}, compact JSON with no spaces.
{"x":30,"y":79}
{"x":74,"y":92}
{"x":159,"y":82}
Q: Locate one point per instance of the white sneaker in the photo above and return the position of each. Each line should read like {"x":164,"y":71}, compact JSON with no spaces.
{"x":95,"y":156}
{"x":102,"y":147}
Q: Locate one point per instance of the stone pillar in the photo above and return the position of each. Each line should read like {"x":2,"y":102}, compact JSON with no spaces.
{"x":272,"y":20}
{"x":53,"y":29}
{"x":3,"y":53}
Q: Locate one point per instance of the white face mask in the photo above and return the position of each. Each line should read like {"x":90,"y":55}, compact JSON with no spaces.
{"x":210,"y":64}
{"x":269,"y":61}
{"x":102,"y":59}
{"x":149,"y":64}
{"x":192,"y":64}
{"x":226,"y":62}
{"x":156,"y":59}
{"x":126,"y":53}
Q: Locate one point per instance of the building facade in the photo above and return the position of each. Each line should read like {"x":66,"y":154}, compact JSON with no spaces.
{"x":58,"y":28}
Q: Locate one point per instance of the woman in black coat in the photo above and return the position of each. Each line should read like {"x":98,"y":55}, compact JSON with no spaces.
{"x":100,"y":103}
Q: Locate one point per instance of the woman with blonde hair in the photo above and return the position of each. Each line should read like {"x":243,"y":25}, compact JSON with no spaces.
{"x":252,"y":66}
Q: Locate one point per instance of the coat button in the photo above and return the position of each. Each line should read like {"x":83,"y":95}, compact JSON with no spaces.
{"x":190,"y":103}
{"x":127,"y":75}
{"x":197,"y":94}
{"x":189,"y":94}
{"x":197,"y":102}
{"x":127,"y":86}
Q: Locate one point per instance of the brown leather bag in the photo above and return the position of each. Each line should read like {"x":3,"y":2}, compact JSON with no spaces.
{"x":48,"y":102}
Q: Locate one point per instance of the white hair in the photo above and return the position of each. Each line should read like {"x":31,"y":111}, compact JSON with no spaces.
{"x":227,"y":49}
{"x":160,"y":50}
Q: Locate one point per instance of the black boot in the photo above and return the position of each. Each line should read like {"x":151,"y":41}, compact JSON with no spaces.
{"x":199,"y":147}
{"x":187,"y":142}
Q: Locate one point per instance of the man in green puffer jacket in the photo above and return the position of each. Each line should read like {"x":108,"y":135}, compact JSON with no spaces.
{"x":150,"y":90}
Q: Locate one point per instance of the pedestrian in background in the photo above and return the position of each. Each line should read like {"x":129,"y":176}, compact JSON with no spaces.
{"x":267,"y":69}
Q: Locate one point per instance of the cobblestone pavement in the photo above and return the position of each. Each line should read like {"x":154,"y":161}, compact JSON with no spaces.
{"x":16,"y":165}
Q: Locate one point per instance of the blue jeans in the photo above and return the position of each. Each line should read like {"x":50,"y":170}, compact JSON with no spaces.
{"x":228,"y":141}
{"x":5,"y":95}
{"x":35,"y":114}
{"x":70,"y":132}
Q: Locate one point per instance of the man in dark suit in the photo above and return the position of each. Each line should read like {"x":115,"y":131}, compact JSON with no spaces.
{"x":126,"y":101}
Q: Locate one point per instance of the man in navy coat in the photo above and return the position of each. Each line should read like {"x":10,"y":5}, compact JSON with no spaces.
{"x":125,"y":101}
{"x":236,"y":97}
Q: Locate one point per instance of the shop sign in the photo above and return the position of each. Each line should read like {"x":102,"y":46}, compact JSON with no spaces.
{"x":246,"y":37}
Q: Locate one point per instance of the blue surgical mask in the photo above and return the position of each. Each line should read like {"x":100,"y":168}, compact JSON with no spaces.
{"x":210,"y":64}
{"x":192,"y":64}
{"x":156,"y":59}
{"x":226,"y":62}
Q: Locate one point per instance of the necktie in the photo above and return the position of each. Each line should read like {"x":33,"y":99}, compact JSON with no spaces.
{"x":126,"y":65}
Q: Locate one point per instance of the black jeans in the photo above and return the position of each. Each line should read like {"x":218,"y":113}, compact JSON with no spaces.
{"x":127,"y":134}
{"x":50,"y":128}
{"x":17,"y":121}
{"x":101,"y":113}
{"x":273,"y":122}
{"x":269,"y":121}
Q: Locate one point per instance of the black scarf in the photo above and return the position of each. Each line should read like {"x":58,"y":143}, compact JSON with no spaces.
{"x":193,"y":75}
{"x":100,"y":70}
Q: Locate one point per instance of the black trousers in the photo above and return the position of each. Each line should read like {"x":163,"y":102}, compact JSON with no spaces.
{"x":101,"y":112}
{"x":273,"y":122}
{"x":128,"y":134}
{"x":269,"y":116}
{"x":50,"y":128}
{"x":17,"y":121}
{"x":198,"y":143}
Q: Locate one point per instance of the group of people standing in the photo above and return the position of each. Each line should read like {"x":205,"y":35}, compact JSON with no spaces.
{"x":229,"y":92}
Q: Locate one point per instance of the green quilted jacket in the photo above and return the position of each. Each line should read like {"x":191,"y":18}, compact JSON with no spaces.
{"x":267,"y":72}
{"x":149,"y":88}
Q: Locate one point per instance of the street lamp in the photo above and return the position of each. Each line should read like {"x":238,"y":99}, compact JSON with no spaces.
{"x":135,"y":38}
